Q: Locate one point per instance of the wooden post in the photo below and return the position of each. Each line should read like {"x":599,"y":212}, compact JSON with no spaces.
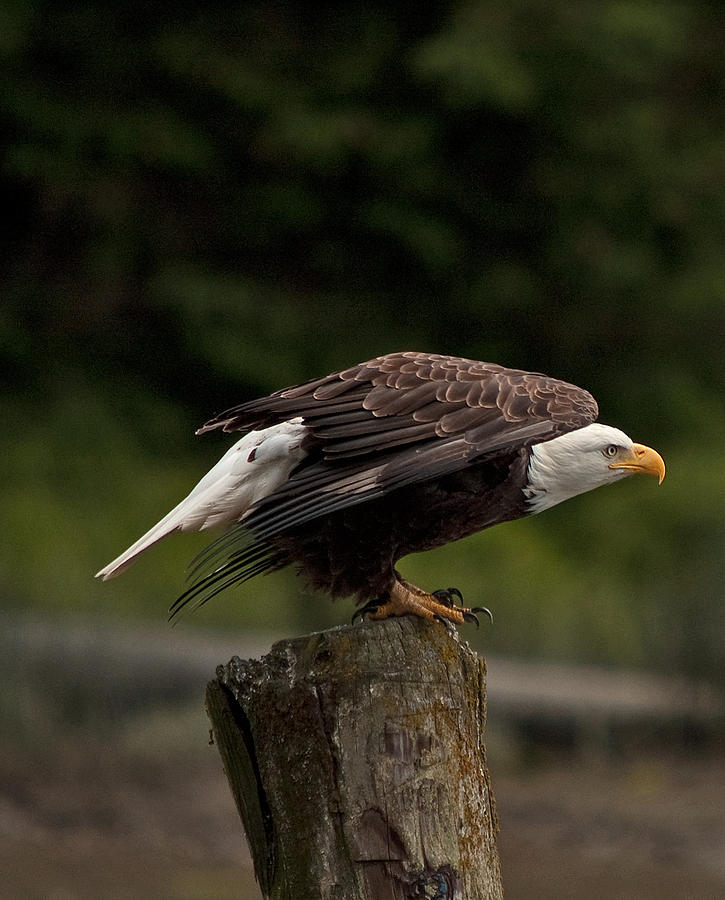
{"x":357,"y":762}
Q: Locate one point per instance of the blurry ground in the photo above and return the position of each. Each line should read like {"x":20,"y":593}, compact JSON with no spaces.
{"x":128,"y":800}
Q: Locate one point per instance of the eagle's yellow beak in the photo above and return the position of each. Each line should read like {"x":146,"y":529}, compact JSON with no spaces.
{"x":642,"y":459}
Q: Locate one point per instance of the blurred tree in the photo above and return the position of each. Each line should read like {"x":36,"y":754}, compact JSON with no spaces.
{"x":208,"y":202}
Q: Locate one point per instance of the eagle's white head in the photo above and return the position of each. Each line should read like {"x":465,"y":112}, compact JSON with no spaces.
{"x":582,"y":460}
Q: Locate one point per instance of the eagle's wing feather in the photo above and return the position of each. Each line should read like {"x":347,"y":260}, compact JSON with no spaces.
{"x":410,"y":398}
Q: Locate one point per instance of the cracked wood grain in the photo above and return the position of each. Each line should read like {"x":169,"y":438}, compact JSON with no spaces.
{"x":357,"y":762}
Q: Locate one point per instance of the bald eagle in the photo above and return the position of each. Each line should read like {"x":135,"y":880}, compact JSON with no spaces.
{"x":344,"y":475}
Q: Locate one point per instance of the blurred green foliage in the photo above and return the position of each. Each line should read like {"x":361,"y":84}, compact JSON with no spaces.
{"x":207,"y":202}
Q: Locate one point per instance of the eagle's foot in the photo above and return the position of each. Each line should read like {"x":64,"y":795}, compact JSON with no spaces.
{"x":406,"y":599}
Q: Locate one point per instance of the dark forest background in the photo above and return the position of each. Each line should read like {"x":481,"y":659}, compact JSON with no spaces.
{"x":206,"y":202}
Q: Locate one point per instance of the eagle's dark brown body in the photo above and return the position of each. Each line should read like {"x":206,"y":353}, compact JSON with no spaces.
{"x":354,"y":551}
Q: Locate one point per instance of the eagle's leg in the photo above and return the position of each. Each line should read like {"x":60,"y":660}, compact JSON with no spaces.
{"x":406,"y":599}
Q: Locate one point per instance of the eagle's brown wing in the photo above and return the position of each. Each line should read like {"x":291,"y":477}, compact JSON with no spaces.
{"x":399,"y":419}
{"x":409,"y":397}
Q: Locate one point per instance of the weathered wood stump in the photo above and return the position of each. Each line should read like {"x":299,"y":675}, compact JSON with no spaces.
{"x":357,"y":762}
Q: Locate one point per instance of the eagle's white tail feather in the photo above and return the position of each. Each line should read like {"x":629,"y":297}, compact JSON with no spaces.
{"x":250,"y":470}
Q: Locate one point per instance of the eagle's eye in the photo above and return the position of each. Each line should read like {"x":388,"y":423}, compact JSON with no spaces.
{"x":611,"y":450}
